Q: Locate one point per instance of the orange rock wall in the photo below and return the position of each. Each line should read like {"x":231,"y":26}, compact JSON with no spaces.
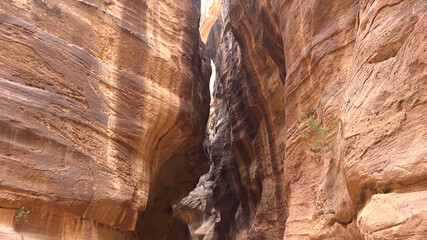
{"x":357,"y":67}
{"x":104,"y":103}
{"x":362,"y":63}
{"x":103,"y":108}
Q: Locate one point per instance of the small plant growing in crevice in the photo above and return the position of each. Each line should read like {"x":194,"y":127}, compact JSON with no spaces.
{"x":21,"y":213}
{"x":317,"y":132}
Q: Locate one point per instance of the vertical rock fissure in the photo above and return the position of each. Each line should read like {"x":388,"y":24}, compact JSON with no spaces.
{"x":337,"y":64}
{"x":242,"y":196}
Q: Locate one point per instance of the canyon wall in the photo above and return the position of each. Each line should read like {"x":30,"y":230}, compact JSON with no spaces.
{"x":244,"y":195}
{"x":103,"y":108}
{"x":320,"y":128}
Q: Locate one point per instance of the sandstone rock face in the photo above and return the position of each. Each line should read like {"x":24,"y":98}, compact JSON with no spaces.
{"x":360,"y":69}
{"x":210,"y":11}
{"x":103,"y":108}
{"x":244,"y":192}
{"x":318,"y":129}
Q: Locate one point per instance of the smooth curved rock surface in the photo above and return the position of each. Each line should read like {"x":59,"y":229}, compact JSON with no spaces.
{"x":103,"y":109}
{"x":210,"y":11}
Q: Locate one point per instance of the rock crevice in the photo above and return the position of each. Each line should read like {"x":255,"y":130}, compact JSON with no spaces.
{"x":338,"y":63}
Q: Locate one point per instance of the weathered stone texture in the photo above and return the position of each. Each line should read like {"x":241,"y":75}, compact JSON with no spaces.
{"x":104,"y":103}
{"x":359,"y":67}
{"x":245,"y":196}
{"x":103,"y":109}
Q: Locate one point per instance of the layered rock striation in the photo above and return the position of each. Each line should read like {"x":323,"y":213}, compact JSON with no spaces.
{"x":319,"y":130}
{"x":103,"y":110}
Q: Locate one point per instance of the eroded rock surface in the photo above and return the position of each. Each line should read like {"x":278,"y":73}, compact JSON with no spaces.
{"x":103,"y":109}
{"x":104,"y":104}
{"x":357,"y":67}
{"x":244,"y":188}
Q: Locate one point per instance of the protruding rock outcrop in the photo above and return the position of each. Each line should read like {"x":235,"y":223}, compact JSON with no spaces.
{"x":103,"y":110}
{"x":319,"y":127}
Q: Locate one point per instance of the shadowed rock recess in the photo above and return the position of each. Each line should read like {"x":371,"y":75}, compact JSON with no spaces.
{"x":317,"y":128}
